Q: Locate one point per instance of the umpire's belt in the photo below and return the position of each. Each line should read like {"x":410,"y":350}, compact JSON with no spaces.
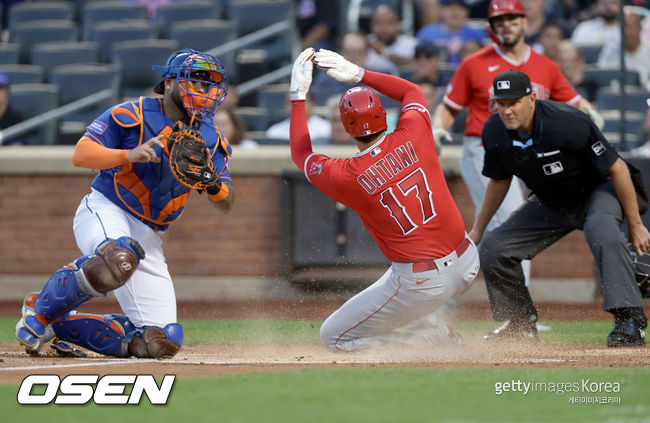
{"x":423,"y":266}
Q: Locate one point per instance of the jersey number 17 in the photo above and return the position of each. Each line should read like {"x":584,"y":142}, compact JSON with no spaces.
{"x":415,"y":183}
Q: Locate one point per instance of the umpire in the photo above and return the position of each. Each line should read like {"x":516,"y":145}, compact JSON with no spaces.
{"x":578,"y":181}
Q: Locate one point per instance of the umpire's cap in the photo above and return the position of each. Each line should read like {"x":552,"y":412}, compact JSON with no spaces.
{"x":510,"y":85}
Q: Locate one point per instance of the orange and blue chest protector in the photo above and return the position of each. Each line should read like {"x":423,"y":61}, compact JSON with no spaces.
{"x":148,"y":191}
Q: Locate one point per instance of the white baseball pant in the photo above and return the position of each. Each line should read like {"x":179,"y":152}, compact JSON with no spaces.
{"x":471,"y":167}
{"x":148,"y":297}
{"x":388,"y":313}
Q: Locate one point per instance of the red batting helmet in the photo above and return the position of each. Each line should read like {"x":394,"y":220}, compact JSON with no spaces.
{"x":361,"y":112}
{"x":505,"y":7}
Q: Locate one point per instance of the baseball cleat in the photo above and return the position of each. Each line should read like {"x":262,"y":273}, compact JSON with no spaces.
{"x":65,"y":350}
{"x":626,"y":333}
{"x":30,"y":332}
{"x":514,"y":330}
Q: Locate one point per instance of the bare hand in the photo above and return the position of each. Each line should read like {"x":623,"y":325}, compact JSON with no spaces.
{"x":640,"y":239}
{"x":475,"y":235}
{"x":145,"y":152}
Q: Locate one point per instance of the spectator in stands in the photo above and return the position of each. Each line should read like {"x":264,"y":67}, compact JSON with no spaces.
{"x":604,"y":27}
{"x":572,"y":64}
{"x":319,"y":128}
{"x":549,"y":40}
{"x":643,"y":149}
{"x":386,"y":37}
{"x":637,"y":51}
{"x":355,"y":48}
{"x":427,"y":60}
{"x":536,"y":20}
{"x":233,"y":128}
{"x":339,"y":135}
{"x":232,"y":99}
{"x":427,"y":12}
{"x":318,"y":23}
{"x":453,"y":32}
{"x":8,"y":116}
{"x":470,"y":47}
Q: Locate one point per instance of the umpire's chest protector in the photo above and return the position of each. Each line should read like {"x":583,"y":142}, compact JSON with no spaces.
{"x":149,"y":191}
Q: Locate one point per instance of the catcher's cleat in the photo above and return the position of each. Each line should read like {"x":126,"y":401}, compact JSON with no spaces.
{"x":30,"y":332}
{"x":626,"y":333}
{"x":65,"y":350}
{"x":514,"y":330}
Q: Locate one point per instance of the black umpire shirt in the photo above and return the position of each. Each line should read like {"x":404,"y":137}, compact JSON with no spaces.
{"x":562,"y":161}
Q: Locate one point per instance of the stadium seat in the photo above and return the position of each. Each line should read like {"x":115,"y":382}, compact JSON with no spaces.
{"x":272,"y":141}
{"x":33,"y":32}
{"x":39,"y":10}
{"x":51,"y":55}
{"x":23,"y":74}
{"x":255,"y":118}
{"x":610,"y":99}
{"x":273,"y":99}
{"x":169,"y":13}
{"x":32,"y":100}
{"x":9,"y":53}
{"x":611,"y":77}
{"x":206,"y":34}
{"x":95,"y":12}
{"x":590,"y":53}
{"x":136,"y":58}
{"x":78,"y":81}
{"x":107,"y":33}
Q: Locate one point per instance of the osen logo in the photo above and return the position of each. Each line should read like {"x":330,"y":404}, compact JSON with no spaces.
{"x":80,"y":389}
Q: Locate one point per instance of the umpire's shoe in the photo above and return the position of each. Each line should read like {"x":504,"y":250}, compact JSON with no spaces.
{"x":628,"y":328}
{"x":516,"y":329}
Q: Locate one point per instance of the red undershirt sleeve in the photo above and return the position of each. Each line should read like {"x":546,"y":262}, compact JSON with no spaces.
{"x":300,"y":140}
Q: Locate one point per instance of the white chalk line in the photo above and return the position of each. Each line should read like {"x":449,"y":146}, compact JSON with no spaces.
{"x":254,"y":363}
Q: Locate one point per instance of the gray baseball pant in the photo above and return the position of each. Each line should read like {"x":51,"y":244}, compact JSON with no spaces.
{"x":535,"y":227}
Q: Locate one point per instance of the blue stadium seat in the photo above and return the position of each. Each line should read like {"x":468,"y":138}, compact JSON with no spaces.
{"x":609,"y":77}
{"x":23,"y":74}
{"x":610,"y":99}
{"x":255,"y":118}
{"x":273,"y":99}
{"x":95,"y":12}
{"x":169,"y":13}
{"x":204,"y":35}
{"x":9,"y":53}
{"x":39,"y":10}
{"x":33,"y":100}
{"x":57,"y":53}
{"x":33,"y":32}
{"x":107,"y":33}
{"x":136,"y":58}
{"x":590,"y":53}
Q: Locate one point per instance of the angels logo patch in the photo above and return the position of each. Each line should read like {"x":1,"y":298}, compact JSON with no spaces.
{"x":315,"y":169}
{"x":598,"y":148}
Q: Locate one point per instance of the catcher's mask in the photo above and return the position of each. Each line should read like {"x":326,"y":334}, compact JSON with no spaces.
{"x":641,"y":271}
{"x":201,"y":79}
{"x":361,"y":112}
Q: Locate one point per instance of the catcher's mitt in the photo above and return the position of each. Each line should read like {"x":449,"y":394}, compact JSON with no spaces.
{"x":188,"y":158}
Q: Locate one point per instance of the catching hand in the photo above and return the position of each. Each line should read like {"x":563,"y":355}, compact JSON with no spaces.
{"x":338,"y":67}
{"x":189,"y":159}
{"x":301,"y":75}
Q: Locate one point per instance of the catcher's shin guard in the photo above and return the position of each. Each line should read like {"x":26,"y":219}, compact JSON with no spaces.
{"x":156,"y":342}
{"x":110,"y":267}
{"x":107,"y":334}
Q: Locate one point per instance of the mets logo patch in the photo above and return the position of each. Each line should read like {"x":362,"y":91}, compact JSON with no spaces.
{"x":98,"y":126}
{"x":315,"y":169}
{"x":598,"y":148}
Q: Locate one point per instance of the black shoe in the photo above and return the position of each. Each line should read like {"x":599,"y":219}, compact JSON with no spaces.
{"x":515,"y":330}
{"x":626,"y":333}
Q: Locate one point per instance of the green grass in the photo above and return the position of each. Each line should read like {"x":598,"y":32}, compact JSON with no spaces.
{"x":367,"y":395}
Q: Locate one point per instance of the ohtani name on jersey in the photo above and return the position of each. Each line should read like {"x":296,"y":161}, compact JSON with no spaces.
{"x":387,"y":167}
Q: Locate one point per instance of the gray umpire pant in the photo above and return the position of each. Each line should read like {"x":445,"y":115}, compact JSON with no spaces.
{"x":534,"y":227}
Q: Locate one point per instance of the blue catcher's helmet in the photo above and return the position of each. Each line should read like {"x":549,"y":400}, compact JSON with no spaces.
{"x":194,"y":69}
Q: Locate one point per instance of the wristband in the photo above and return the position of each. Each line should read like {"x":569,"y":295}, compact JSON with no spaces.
{"x":220,"y":195}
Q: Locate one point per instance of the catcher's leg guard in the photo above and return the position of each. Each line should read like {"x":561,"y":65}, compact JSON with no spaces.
{"x":107,"y":334}
{"x":110,"y":267}
{"x":155,"y":342}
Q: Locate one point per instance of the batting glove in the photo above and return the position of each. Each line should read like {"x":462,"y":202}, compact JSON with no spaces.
{"x":301,"y":75}
{"x":440,"y":133}
{"x":338,"y":67}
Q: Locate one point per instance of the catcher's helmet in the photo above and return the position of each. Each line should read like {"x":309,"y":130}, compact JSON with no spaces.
{"x":505,"y":7}
{"x":191,"y":67}
{"x":361,"y":112}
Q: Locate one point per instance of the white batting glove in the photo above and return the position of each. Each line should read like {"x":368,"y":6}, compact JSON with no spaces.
{"x":596,"y":118}
{"x":338,"y":67}
{"x":440,"y":133}
{"x":301,"y":75}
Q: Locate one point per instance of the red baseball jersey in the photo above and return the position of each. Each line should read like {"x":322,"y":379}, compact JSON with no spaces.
{"x":471,"y":85}
{"x":396,"y":185}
